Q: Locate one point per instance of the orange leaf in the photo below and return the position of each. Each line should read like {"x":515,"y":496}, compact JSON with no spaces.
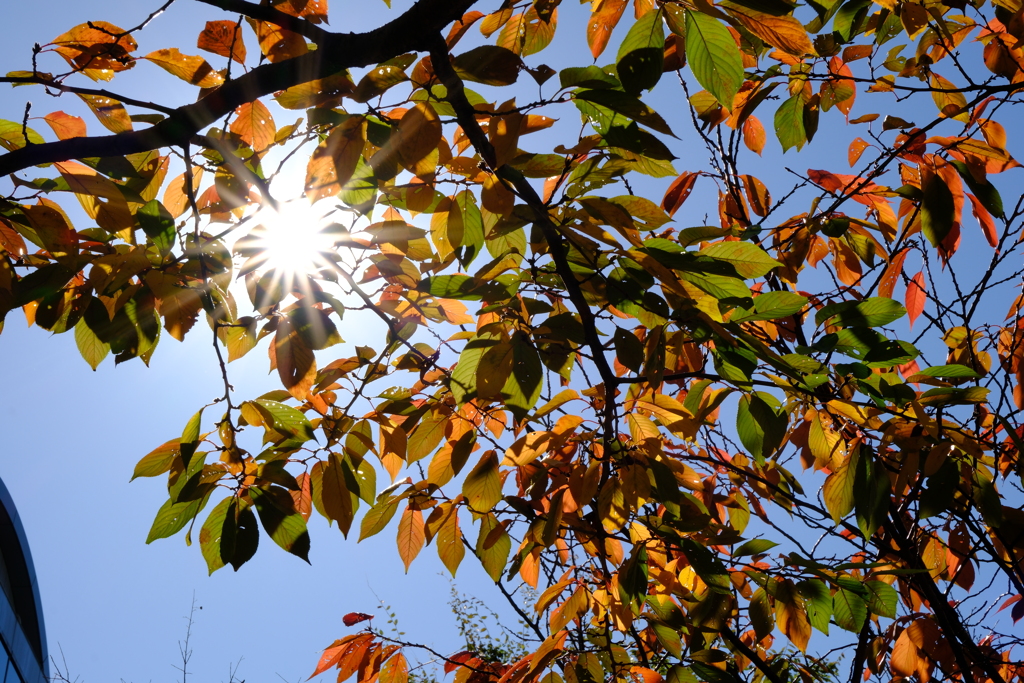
{"x":892,"y":273}
{"x":988,"y":225}
{"x":410,"y":535}
{"x":254,"y":124}
{"x":643,"y":675}
{"x":193,"y":69}
{"x":175,"y":197}
{"x":223,"y":38}
{"x":314,"y":11}
{"x":65,"y":125}
{"x":857,"y":148}
{"x":603,"y":20}
{"x":395,"y":670}
{"x":419,"y":133}
{"x":279,"y":44}
{"x":98,"y":49}
{"x":110,"y":113}
{"x":678,"y":191}
{"x":296,"y":364}
{"x":915,"y":297}
{"x":783,"y":32}
{"x":754,"y":135}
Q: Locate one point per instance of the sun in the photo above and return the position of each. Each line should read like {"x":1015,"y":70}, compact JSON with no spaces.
{"x":289,"y":240}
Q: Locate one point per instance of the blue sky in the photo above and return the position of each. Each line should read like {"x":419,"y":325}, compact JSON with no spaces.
{"x":115,"y":605}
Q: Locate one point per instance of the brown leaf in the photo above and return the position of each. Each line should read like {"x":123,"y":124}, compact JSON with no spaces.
{"x":110,"y":113}
{"x":678,"y":191}
{"x":418,"y":135}
{"x":277,"y":43}
{"x":296,"y":364}
{"x":223,"y":38}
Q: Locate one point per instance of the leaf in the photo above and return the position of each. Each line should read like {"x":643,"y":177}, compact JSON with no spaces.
{"x":172,"y":517}
{"x":418,"y":135}
{"x":873,"y":312}
{"x":335,"y":160}
{"x":755,"y":546}
{"x":605,"y":15}
{"x":760,"y":428}
{"x":395,"y":670}
{"x":223,"y":38}
{"x":158,"y":461}
{"x":838,"y":492}
{"x":492,"y":546}
{"x":871,"y":504}
{"x":754,"y":136}
{"x":482,"y":487}
{"x":378,"y":516}
{"x":781,"y":31}
{"x":338,"y":500}
{"x":937,"y":206}
{"x":65,"y":126}
{"x":817,"y":602}
{"x":641,"y":54}
{"x":281,"y":520}
{"x":410,"y":535}
{"x":678,"y":192}
{"x":489,"y":64}
{"x":849,"y":610}
{"x":98,"y":49}
{"x":713,"y":57}
{"x":90,"y":346}
{"x":789,"y":123}
{"x":628,"y":106}
{"x":219,"y":535}
{"x":283,"y":419}
{"x":528,"y":32}
{"x":109,"y":112}
{"x":191,"y":69}
{"x":450,"y":547}
{"x":750,"y":260}
{"x":254,"y":124}
{"x":791,"y":616}
{"x":296,"y":364}
{"x":353,"y":618}
{"x":916,"y":297}
{"x":882,"y":599}
{"x":158,"y":224}
{"x":773,"y":306}
{"x":951,"y":104}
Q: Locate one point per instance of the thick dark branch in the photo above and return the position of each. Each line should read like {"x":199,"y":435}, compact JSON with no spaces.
{"x":274,"y":16}
{"x":466,"y":115}
{"x":409,"y":32}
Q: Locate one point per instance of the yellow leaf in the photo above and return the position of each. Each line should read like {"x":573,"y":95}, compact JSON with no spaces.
{"x":527,"y":449}
{"x":254,"y":124}
{"x":193,"y":69}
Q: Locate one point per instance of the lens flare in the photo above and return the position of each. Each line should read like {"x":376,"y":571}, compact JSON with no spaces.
{"x":290,"y":239}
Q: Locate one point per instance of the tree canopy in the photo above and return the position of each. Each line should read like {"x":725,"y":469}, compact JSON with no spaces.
{"x":728,"y":427}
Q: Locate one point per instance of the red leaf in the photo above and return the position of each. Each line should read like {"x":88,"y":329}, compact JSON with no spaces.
{"x":988,"y":226}
{"x":1009,"y":601}
{"x":353,"y":618}
{"x":915,"y":297}
{"x":1017,"y":612}
{"x":452,"y":663}
{"x":678,"y":191}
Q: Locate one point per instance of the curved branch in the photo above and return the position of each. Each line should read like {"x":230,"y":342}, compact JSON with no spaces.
{"x":273,"y":16}
{"x":409,"y":32}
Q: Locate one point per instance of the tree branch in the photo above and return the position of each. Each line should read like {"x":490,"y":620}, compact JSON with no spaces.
{"x":407,"y":33}
{"x":273,"y":16}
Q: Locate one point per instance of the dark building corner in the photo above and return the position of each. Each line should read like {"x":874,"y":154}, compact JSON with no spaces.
{"x":23,"y":657}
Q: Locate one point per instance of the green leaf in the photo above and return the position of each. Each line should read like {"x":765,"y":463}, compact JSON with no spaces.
{"x":817,"y":602}
{"x":586,"y":77}
{"x":850,"y":610}
{"x":12,"y":135}
{"x":378,"y":516}
{"x":760,"y":428}
{"x":158,"y":224}
{"x":92,"y":348}
{"x":217,"y":537}
{"x":873,"y":312}
{"x":284,"y":419}
{"x":628,"y":106}
{"x":772,"y":306}
{"x":985,"y":191}
{"x":949,"y":372}
{"x":281,"y":521}
{"x":172,"y":518}
{"x":463,"y":383}
{"x":190,"y":437}
{"x":492,"y":546}
{"x":754,"y":546}
{"x":937,"y":207}
{"x":641,"y":54}
{"x":789,"y":123}
{"x":871,"y":503}
{"x":749,"y":260}
{"x":713,"y":57}
{"x":882,"y":598}
{"x":522,"y":389}
{"x":762,"y":618}
{"x":707,"y":566}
